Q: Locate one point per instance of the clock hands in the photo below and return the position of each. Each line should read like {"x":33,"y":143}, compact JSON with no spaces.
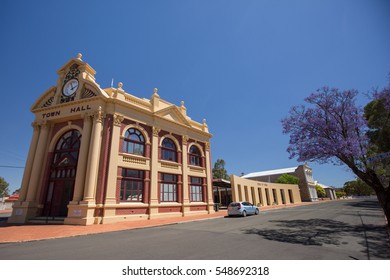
{"x":70,"y":87}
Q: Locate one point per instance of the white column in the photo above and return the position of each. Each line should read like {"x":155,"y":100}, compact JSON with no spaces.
{"x":29,"y":162}
{"x":83,"y":160}
{"x":38,"y":162}
{"x":113,"y":164}
{"x":93,"y":158}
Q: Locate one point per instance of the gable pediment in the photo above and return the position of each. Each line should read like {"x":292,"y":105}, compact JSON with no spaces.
{"x":53,"y":96}
{"x":172,"y":113}
{"x":45,"y":100}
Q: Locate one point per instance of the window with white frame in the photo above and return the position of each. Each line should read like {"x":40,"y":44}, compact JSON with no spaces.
{"x":196,"y":189}
{"x":168,"y":188}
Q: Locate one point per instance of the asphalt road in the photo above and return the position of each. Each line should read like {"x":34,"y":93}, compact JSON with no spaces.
{"x":336,"y":230}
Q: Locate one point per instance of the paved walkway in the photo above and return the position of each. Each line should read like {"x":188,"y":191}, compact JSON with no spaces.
{"x":21,"y":233}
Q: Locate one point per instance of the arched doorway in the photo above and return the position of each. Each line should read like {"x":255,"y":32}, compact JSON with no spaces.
{"x":62,"y":174}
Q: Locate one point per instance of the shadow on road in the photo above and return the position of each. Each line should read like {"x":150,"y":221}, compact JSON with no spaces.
{"x":317,"y":232}
{"x":366,"y":204}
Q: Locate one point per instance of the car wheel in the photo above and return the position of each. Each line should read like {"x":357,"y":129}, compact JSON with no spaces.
{"x":244,"y":213}
{"x":257,"y":212}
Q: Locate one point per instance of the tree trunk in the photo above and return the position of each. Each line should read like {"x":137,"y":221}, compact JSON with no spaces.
{"x":384,"y":200}
{"x":371,"y":179}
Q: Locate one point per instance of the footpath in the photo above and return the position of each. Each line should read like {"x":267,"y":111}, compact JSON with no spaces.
{"x":23,"y":233}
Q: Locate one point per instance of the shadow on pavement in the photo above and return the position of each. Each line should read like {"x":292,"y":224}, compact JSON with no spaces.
{"x":317,"y":232}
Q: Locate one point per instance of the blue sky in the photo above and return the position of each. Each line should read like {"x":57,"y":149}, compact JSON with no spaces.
{"x":239,"y":64}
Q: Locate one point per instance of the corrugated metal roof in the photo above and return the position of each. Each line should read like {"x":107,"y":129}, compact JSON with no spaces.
{"x":221,"y":180}
{"x":323,"y":186}
{"x":271,"y":172}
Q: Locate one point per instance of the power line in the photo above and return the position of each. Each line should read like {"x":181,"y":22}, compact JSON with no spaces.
{"x":10,"y":166}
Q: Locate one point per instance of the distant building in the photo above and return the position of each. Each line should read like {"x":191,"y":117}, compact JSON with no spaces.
{"x":259,"y":193}
{"x":6,"y":203}
{"x":264,"y":193}
{"x":329,"y":191}
{"x":303,"y":172}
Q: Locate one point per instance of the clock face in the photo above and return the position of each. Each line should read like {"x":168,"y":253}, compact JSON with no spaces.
{"x":70,"y":87}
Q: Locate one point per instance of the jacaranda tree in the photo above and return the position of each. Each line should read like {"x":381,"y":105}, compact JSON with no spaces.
{"x":332,"y":128}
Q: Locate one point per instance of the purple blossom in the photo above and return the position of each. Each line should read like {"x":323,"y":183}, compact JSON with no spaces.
{"x":330,"y":128}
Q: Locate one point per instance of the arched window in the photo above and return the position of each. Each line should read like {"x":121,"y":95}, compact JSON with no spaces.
{"x":195,"y":157}
{"x":65,"y":155}
{"x":62,"y":174}
{"x":168,"y":150}
{"x":134,"y":142}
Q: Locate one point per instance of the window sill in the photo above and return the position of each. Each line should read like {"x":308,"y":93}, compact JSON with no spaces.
{"x":126,"y":204}
{"x":169,"y":162}
{"x":167,"y":203}
{"x":196,"y":167}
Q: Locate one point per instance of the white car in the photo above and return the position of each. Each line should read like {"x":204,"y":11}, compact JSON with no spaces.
{"x":242,"y":208}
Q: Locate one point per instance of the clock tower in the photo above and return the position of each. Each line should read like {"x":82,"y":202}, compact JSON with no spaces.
{"x":71,"y":80}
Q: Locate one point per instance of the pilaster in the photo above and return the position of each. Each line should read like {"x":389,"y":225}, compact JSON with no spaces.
{"x":209,"y":176}
{"x":110,"y":199}
{"x":153,"y":202}
{"x":186,"y":199}
{"x":263,"y":200}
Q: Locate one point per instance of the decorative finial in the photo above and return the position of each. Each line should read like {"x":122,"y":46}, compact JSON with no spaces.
{"x":182,"y":104}
{"x":155,"y":93}
{"x":120,"y":84}
{"x":205,"y":128}
{"x":79,"y":56}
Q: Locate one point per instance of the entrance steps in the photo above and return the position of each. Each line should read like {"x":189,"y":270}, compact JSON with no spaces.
{"x":46,"y":220}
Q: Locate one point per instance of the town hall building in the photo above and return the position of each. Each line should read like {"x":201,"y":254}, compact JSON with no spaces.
{"x":104,"y":155}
